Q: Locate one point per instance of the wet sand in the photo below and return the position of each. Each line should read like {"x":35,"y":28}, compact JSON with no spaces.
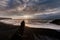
{"x":8,"y":30}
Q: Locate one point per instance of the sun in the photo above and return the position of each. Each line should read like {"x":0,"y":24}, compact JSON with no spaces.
{"x":26,"y":16}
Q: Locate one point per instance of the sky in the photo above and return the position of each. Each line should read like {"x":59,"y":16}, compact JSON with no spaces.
{"x":14,"y":8}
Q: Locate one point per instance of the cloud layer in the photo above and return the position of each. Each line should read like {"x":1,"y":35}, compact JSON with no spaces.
{"x":21,"y":7}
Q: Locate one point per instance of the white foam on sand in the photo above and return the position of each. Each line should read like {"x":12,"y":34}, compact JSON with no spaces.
{"x":48,"y":25}
{"x":33,"y":25}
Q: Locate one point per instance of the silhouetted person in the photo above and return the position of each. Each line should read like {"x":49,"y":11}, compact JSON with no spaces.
{"x":21,"y":28}
{"x":19,"y":33}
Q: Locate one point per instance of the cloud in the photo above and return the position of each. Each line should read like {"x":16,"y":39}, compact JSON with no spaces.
{"x":32,"y":7}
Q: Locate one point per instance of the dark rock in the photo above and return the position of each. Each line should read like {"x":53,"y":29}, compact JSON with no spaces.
{"x":56,"y":21}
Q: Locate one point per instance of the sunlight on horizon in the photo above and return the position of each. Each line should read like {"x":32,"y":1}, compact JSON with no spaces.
{"x":22,"y":17}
